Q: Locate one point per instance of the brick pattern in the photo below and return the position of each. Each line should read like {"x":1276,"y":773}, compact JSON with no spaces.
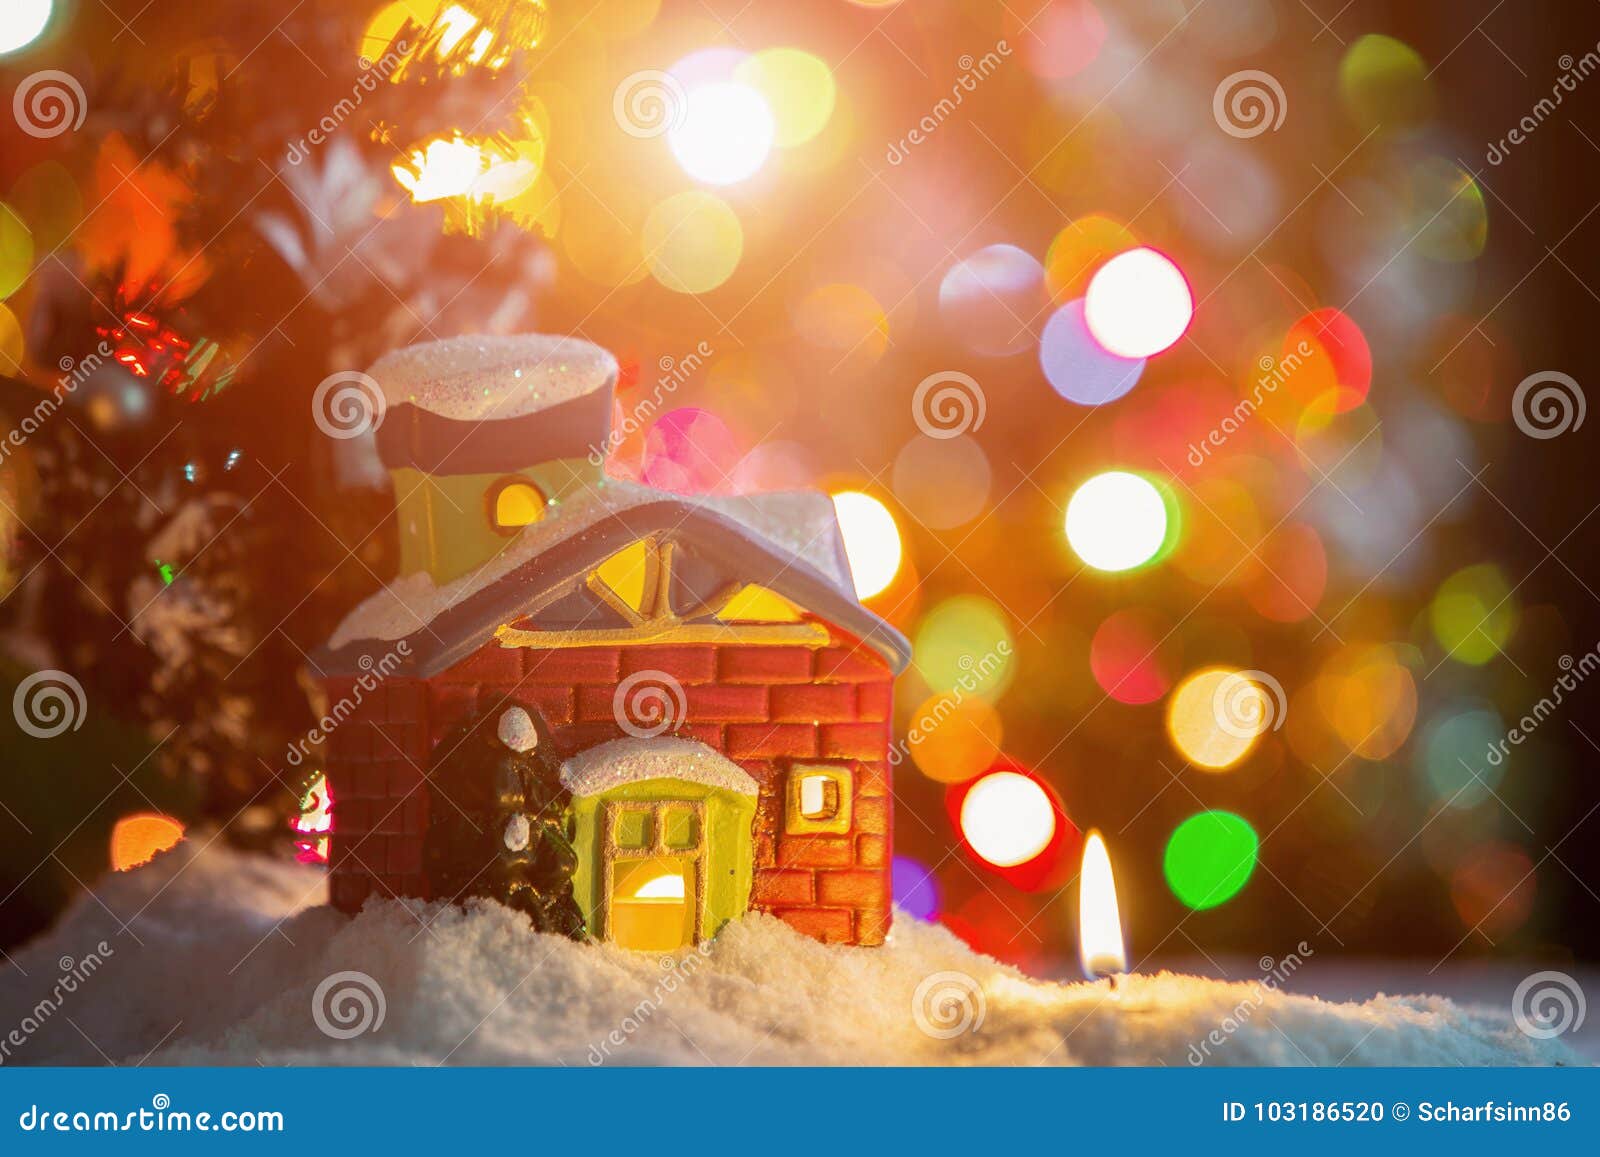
{"x":765,"y":707}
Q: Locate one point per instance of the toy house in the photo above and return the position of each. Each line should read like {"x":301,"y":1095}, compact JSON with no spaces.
{"x":719,"y":697}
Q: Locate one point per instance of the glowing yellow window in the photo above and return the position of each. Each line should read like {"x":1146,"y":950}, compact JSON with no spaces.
{"x":514,"y":504}
{"x":818,"y":800}
{"x":756,"y":604}
{"x":630,"y":575}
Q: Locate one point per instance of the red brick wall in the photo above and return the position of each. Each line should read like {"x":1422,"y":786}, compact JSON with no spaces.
{"x":764,"y":706}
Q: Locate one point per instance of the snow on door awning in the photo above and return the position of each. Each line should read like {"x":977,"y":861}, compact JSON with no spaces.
{"x":625,"y":761}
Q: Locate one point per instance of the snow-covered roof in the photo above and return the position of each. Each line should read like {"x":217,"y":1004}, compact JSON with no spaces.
{"x":624,"y":761}
{"x":490,"y":377}
{"x":792,"y":539}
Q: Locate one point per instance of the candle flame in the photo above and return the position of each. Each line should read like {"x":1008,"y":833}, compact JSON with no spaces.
{"x":1099,"y":920}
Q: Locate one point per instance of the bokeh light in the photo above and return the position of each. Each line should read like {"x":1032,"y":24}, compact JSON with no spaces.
{"x":1326,"y":360}
{"x":871,"y":541}
{"x":1369,"y":698}
{"x":16,"y":251}
{"x":724,"y":133}
{"x":990,"y":300}
{"x":943,"y":482}
{"x":1007,"y":818}
{"x":1117,"y":521}
{"x":1215,"y":716}
{"x":1209,"y":858}
{"x":692,"y":242}
{"x":138,"y":839}
{"x":1126,"y":657}
{"x":1474,"y":614}
{"x":951,"y":741}
{"x":690,"y":451}
{"x":844,"y":317}
{"x":915,"y":887}
{"x":11,"y":342}
{"x":1493,"y":889}
{"x":1077,"y":367}
{"x":1060,"y":38}
{"x":1138,"y":304}
{"x":798,"y":88}
{"x":1453,"y":756}
{"x":965,"y":644}
{"x":21,"y":22}
{"x":1080,"y":249}
{"x":1384,"y":84}
{"x":1448,"y":216}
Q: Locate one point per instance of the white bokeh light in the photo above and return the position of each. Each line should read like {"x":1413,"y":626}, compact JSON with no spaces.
{"x":1138,"y":304}
{"x":1007,"y":819}
{"x":1116,"y":521}
{"x":871,"y":541}
{"x":725,"y":133}
{"x":21,"y":21}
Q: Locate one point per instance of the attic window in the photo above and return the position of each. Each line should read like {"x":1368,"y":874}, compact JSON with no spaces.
{"x":515,"y":503}
{"x":818,"y":799}
{"x":755,"y":604}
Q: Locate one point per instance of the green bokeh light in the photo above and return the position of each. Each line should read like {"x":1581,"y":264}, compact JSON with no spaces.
{"x":1474,"y":614}
{"x":1210,"y":857}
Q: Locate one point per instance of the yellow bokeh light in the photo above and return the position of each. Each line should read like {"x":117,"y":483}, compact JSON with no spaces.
{"x":16,"y":251}
{"x":1474,"y":614}
{"x":798,"y":88}
{"x":11,"y":342}
{"x":871,"y":541}
{"x":138,"y":839}
{"x":1369,"y":699}
{"x":692,"y":242}
{"x":952,"y":741}
{"x":844,"y":317}
{"x":1079,"y":250}
{"x":1204,"y":714}
{"x":1007,"y":819}
{"x":1117,"y":521}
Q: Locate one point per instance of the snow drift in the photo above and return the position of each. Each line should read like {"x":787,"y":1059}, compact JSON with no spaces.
{"x":211,"y":957}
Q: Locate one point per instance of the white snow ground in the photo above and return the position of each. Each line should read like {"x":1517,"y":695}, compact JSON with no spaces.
{"x":216,"y":958}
